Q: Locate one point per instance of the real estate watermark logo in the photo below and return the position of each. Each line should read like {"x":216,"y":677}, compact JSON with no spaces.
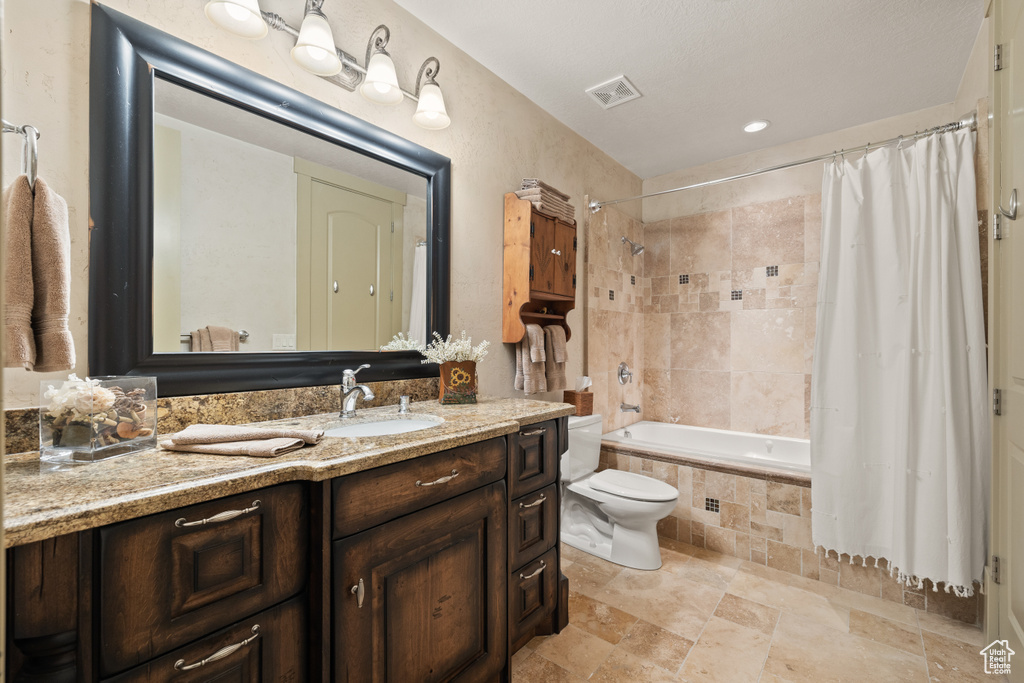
{"x":997,"y":657}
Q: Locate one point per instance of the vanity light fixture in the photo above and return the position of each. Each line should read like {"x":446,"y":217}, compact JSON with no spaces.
{"x":756,"y":126}
{"x":430,"y":111}
{"x":316,"y":52}
{"x":241,"y":17}
{"x":314,"y":49}
{"x":381,"y":82}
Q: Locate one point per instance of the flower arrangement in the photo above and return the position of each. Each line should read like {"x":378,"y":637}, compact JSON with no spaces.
{"x":454,"y":350}
{"x":400,"y":343}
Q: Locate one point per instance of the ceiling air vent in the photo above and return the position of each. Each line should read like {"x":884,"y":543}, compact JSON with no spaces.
{"x":614,"y":92}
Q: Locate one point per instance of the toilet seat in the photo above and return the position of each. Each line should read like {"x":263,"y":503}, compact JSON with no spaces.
{"x":632,"y":486}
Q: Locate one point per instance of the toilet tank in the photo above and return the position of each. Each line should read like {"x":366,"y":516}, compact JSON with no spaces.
{"x":584,"y":451}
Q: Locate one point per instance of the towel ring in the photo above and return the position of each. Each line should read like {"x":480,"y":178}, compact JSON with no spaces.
{"x":29,"y":149}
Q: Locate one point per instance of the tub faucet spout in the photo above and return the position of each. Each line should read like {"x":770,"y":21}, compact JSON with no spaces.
{"x":628,"y":407}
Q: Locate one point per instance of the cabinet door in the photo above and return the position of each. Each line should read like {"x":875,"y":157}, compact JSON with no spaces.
{"x":421,"y":598}
{"x":565,"y":259}
{"x":542,"y":256}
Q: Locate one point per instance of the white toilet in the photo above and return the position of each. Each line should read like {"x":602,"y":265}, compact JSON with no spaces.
{"x":610,"y":514}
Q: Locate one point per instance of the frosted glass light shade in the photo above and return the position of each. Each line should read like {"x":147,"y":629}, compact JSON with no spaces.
{"x":381,"y":84}
{"x":241,"y":17}
{"x":430,"y":112}
{"x":314,"y":49}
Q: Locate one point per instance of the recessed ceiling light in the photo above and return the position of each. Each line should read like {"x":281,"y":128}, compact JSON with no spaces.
{"x":755,"y":126}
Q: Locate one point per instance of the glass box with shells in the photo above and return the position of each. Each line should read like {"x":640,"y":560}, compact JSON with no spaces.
{"x":84,"y":420}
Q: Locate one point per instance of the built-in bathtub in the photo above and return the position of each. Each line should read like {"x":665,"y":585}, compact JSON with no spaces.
{"x":715,"y":449}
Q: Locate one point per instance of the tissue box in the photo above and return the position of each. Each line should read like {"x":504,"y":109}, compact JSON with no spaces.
{"x":84,"y":420}
{"x":583,"y":400}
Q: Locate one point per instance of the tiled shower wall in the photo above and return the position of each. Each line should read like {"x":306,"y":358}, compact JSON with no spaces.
{"x":729,"y":329}
{"x":615,"y":314}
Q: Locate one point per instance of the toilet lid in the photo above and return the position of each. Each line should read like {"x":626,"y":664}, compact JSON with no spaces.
{"x":635,"y":486}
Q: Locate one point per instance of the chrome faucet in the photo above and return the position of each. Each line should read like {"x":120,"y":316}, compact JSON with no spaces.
{"x":628,"y":407}
{"x":351,"y":392}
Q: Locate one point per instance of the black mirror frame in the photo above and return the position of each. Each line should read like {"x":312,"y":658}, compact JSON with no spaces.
{"x":126,"y":56}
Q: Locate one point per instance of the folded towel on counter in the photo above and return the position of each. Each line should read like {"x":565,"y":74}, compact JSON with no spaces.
{"x":554,"y":367}
{"x":51,"y":275}
{"x":20,"y":342}
{"x":531,"y":353}
{"x":258,"y":442}
{"x":223,"y":338}
{"x":206,"y":434}
{"x":260,"y":448}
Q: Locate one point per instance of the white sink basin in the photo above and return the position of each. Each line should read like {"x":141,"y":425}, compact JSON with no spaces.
{"x":382,"y":427}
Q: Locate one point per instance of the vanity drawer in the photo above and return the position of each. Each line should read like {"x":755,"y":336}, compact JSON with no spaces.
{"x":533,"y":525}
{"x":533,"y":462}
{"x":532,"y":594}
{"x":170,"y":577}
{"x":365,"y":499}
{"x":271,"y":647}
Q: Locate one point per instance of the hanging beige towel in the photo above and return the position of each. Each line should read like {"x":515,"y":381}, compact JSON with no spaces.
{"x":51,"y":275}
{"x":260,"y":448}
{"x":520,"y":381}
{"x":204,"y":433}
{"x":201,"y":340}
{"x":554,"y":368}
{"x":19,"y":342}
{"x":532,"y":352}
{"x":223,"y":338}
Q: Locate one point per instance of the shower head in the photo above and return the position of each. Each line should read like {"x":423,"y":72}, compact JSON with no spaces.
{"x":634,"y":247}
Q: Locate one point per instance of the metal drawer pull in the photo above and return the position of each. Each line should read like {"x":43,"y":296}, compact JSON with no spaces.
{"x":534,"y":503}
{"x":219,"y":517}
{"x":556,"y":252}
{"x":360,"y":592}
{"x":535,"y":432}
{"x":180,"y":665}
{"x":530,"y":576}
{"x":442,"y":480}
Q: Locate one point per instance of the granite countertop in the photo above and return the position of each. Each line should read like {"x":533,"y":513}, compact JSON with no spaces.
{"x":44,"y":500}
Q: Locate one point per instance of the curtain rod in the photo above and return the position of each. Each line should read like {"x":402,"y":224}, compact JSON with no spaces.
{"x":969,"y":121}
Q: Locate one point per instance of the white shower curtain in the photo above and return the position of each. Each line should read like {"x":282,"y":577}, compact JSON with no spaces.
{"x":899,"y":422}
{"x":418,"y":305}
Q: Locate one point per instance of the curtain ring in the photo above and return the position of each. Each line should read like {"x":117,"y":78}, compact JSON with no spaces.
{"x":899,"y":143}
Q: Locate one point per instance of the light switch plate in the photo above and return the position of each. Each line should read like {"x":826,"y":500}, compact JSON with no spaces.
{"x":284,"y":342}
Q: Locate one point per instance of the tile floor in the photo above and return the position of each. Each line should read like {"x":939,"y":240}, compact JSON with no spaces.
{"x":710,"y":617}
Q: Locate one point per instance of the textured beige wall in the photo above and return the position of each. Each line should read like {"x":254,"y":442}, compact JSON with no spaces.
{"x":497,"y":137}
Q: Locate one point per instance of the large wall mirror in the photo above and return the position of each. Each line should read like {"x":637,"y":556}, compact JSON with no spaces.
{"x":246,"y":236}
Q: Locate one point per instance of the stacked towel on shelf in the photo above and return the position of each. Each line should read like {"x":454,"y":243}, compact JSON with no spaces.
{"x":547,"y":199}
{"x":540,"y":360}
{"x":257,"y":442}
{"x":38,"y":278}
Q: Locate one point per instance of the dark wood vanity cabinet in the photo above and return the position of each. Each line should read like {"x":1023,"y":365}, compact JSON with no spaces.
{"x":436,"y":568}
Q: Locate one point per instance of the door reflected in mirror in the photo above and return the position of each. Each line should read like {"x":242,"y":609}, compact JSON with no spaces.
{"x":270,"y":239}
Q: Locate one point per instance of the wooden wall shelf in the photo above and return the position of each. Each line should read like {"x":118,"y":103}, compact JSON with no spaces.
{"x":539,"y":270}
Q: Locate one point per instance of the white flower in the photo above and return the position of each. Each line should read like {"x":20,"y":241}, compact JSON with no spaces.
{"x":400,"y":343}
{"x":80,"y":397}
{"x":454,"y":351}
